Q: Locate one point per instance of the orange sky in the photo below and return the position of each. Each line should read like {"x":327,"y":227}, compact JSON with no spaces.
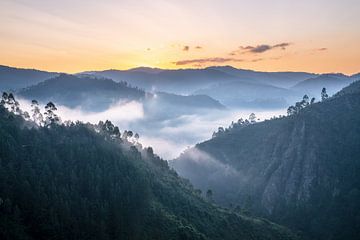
{"x":278,"y":35}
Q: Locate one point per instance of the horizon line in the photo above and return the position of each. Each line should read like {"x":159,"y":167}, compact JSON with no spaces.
{"x":167,"y":69}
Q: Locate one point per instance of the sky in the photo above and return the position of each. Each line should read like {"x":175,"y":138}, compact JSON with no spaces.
{"x":279,"y":35}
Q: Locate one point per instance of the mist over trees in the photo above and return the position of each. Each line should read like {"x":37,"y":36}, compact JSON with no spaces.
{"x":74,"y":180}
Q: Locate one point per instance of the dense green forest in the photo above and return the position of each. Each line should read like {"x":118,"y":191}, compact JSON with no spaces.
{"x":83,"y":181}
{"x":301,"y":170}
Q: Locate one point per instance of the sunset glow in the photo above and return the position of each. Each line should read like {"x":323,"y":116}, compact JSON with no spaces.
{"x":72,"y":36}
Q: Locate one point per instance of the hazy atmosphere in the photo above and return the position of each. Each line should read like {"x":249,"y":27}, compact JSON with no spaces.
{"x":180,"y":120}
{"x":72,"y":36}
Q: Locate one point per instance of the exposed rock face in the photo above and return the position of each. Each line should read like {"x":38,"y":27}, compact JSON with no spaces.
{"x":302,"y":170}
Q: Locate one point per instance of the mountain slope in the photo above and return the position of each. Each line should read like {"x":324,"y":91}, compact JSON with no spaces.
{"x":90,"y":93}
{"x":302,"y":171}
{"x":245,"y":94}
{"x":233,"y":87}
{"x":188,"y":80}
{"x":15,"y":78}
{"x":182,"y":81}
{"x":69,"y":182}
{"x":332,"y":82}
{"x":98,"y":94}
{"x":278,"y":79}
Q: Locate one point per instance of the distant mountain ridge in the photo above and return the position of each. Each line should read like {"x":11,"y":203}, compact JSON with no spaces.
{"x":332,"y":82}
{"x":15,"y":78}
{"x":162,"y":79}
{"x":229,"y":85}
{"x":93,"y":93}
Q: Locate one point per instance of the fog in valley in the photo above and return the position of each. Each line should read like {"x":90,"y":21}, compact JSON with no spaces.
{"x":167,"y":135}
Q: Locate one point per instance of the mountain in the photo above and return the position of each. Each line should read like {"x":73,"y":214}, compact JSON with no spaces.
{"x":98,"y":94}
{"x":301,"y":171}
{"x":163,"y":106}
{"x":146,"y":70}
{"x":278,"y":79}
{"x":182,"y":81}
{"x":15,"y":78}
{"x":332,"y":83}
{"x":233,"y":87}
{"x":92,"y":94}
{"x":251,"y":95}
{"x":269,"y":89}
{"x":189,"y":80}
{"x":80,"y":182}
{"x":196,"y":101}
{"x":356,"y":76}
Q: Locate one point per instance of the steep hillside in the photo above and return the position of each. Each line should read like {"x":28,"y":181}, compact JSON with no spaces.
{"x":81,"y":182}
{"x":15,"y":78}
{"x":302,"y":170}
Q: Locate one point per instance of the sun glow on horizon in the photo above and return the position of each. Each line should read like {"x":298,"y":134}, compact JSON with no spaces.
{"x":272,"y":36}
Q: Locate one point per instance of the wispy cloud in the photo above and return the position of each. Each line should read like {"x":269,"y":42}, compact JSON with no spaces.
{"x":322,"y":49}
{"x":198,"y":47}
{"x":186,"y":48}
{"x":259,"y":48}
{"x":257,"y":60}
{"x":207,"y":60}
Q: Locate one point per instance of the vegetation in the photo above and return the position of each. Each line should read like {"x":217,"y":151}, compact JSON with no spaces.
{"x":83,"y":181}
{"x":301,"y":171}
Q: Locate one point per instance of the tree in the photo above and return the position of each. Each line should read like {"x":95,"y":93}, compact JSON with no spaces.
{"x":26,"y":115}
{"x":241,"y":121}
{"x":291,"y":110}
{"x":137,"y":136}
{"x":36,"y":114}
{"x":305,"y":101}
{"x":51,"y":117}
{"x":130,"y":133}
{"x":4,"y":98}
{"x":108,"y":127}
{"x":312,"y":100}
{"x":9,"y":102}
{"x":324,"y":95}
{"x":300,"y":105}
{"x":116,"y":132}
{"x":252,"y":118}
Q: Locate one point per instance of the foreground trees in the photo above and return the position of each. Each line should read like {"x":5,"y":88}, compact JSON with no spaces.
{"x":75,"y":181}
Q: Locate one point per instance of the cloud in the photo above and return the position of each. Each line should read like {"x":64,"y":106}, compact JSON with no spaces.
{"x":186,"y":48}
{"x":207,"y":60}
{"x":322,"y":49}
{"x":257,"y":49}
{"x":198,"y":47}
{"x":260,"y":48}
{"x":283,"y":46}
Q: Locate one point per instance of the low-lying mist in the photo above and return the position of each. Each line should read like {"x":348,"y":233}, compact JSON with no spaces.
{"x":168,"y":134}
